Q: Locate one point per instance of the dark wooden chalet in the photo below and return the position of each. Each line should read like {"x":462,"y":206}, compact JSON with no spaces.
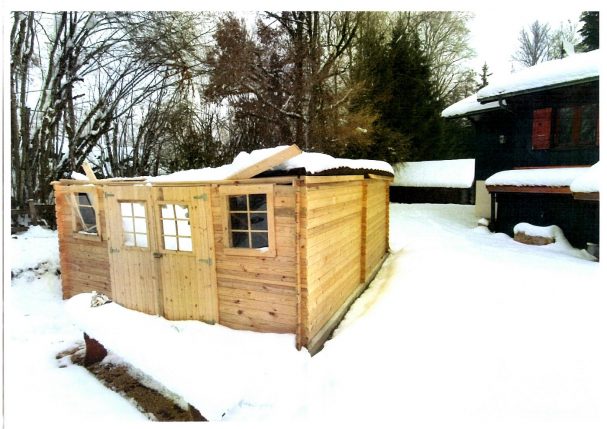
{"x":541,"y":117}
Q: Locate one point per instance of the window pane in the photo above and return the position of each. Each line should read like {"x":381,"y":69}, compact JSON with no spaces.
{"x":127,"y":224}
{"x":170,"y":243}
{"x":565,"y":126}
{"x":126,"y":209}
{"x":260,"y":239}
{"x":138,"y":209}
{"x":84,"y":199}
{"x":259,"y":221}
{"x":88,"y":216}
{"x":168,"y":227}
{"x":185,"y":244}
{"x":257,"y":203}
{"x":129,"y":239}
{"x":238,"y":203}
{"x":167,"y":211}
{"x":240,"y":239}
{"x":239,"y":221}
{"x":140,"y":225}
{"x":589,"y":115}
{"x":141,"y":240}
{"x":181,"y":212}
{"x":183,"y":228}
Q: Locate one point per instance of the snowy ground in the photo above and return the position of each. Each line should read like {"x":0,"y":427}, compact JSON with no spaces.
{"x":461,"y":328}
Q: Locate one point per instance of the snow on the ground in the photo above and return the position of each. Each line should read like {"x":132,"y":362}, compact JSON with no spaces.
{"x":573,"y":68}
{"x":37,"y":392}
{"x":452,"y":173}
{"x":468,"y":105}
{"x":537,"y":176}
{"x":461,"y":328}
{"x":587,"y":181}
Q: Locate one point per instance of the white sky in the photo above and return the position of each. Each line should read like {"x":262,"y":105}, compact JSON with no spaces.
{"x":494,"y":34}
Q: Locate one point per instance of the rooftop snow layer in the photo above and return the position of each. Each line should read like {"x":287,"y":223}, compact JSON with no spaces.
{"x":468,"y":105}
{"x":318,"y":162}
{"x":312,"y":162}
{"x":241,"y":161}
{"x":537,"y":177}
{"x":587,"y":181}
{"x":453,"y":173}
{"x":577,"y":67}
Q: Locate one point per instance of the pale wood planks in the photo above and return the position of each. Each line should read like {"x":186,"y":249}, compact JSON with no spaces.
{"x":84,"y":263}
{"x":267,"y":163}
{"x":258,"y":292}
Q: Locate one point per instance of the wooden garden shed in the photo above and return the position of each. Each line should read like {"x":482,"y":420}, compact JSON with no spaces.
{"x":270,"y":247}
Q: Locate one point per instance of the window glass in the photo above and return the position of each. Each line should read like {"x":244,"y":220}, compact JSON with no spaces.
{"x":589,"y":115}
{"x":86,"y":221}
{"x":134,"y":224}
{"x":564,"y":123}
{"x":248,"y":220}
{"x":176,"y":229}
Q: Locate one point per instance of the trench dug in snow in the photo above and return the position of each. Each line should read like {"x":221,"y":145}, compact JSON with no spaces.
{"x":121,"y":379}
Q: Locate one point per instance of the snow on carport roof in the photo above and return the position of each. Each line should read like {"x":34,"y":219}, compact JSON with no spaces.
{"x":452,"y":173}
{"x":467,"y":106}
{"x":537,"y":177}
{"x":576,"y":68}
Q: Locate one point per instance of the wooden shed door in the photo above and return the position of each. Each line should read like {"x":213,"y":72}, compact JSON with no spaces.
{"x":185,"y":247}
{"x":161,"y":253}
{"x":132,"y":243}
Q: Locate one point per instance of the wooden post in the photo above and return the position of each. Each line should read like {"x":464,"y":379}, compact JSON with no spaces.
{"x":33,"y":212}
{"x":493,"y":202}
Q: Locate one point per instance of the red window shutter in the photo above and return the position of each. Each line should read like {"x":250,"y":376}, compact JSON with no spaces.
{"x":542,"y":120}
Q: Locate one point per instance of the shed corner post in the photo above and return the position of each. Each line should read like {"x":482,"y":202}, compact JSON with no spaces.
{"x":298,"y":184}
{"x":493,"y":211}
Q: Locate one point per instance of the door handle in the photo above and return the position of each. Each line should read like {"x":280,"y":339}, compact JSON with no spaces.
{"x":157,"y":255}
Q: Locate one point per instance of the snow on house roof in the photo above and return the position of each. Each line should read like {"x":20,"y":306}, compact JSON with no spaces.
{"x":313,"y":163}
{"x":576,"y":68}
{"x":588,"y":181}
{"x":453,"y":173}
{"x":468,"y":105}
{"x":537,"y":177}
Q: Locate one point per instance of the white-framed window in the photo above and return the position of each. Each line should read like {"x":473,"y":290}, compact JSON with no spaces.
{"x":176,"y":229}
{"x":134,"y":224}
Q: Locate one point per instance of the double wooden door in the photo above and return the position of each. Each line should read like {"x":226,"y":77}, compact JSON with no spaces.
{"x":161,"y":250}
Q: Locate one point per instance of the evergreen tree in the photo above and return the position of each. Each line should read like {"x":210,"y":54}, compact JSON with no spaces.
{"x":484,"y":76}
{"x":589,"y":31}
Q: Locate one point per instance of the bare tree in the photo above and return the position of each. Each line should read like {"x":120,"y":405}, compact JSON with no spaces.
{"x":534,"y":44}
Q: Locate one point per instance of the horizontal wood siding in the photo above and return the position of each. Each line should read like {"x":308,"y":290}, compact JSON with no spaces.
{"x":84,"y":263}
{"x":331,"y":254}
{"x":258,"y":293}
{"x":376,"y":224}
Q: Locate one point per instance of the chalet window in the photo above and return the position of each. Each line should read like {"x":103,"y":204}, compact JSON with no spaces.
{"x":84,"y":213}
{"x":576,"y":126}
{"x":249,"y":223}
{"x":565,"y":127}
{"x":134,"y":224}
{"x":176,"y":230}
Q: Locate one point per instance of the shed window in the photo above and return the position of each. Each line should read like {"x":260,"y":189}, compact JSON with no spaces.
{"x":176,"y":230}
{"x":86,"y":220}
{"x":249,"y":220}
{"x":134,"y":224}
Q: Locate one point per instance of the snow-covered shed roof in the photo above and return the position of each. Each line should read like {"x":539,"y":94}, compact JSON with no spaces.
{"x":467,"y":106}
{"x":293,"y":162}
{"x":453,"y":173}
{"x":577,"y":68}
{"x":563,"y":176}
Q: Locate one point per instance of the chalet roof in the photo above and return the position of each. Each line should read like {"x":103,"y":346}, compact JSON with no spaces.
{"x":588,"y":181}
{"x":572,"y":70}
{"x":452,"y":173}
{"x":468,"y":106}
